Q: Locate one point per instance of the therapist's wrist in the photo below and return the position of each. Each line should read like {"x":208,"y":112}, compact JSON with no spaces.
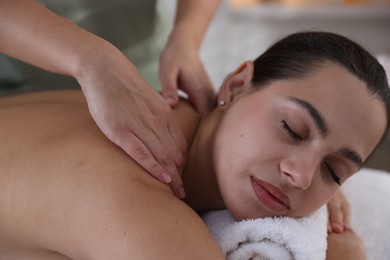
{"x":92,"y":60}
{"x":183,"y":38}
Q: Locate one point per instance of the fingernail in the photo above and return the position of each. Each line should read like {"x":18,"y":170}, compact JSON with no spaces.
{"x":336,"y":228}
{"x":170,"y":100}
{"x":166,"y":177}
{"x":181,"y":193}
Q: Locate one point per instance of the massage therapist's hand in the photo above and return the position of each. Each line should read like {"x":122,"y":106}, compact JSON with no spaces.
{"x":339,"y":212}
{"x":181,"y":68}
{"x":134,"y":116}
{"x":125,"y":108}
{"x":180,"y":64}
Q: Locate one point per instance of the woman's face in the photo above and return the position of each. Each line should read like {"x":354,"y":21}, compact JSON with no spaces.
{"x":286,"y":149}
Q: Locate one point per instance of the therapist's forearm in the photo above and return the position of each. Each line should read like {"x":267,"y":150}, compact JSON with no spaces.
{"x":193,"y":18}
{"x":32,"y":33}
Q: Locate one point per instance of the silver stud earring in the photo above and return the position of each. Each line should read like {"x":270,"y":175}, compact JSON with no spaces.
{"x":221,"y":103}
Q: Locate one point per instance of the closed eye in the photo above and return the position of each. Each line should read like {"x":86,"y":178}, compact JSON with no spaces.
{"x":296,"y":137}
{"x":332,"y":173}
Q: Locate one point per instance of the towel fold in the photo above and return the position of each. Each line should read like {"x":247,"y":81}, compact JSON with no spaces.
{"x":270,"y":238}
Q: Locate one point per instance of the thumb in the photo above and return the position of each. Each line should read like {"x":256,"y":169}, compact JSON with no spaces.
{"x":170,"y":96}
{"x":169,"y":88}
{"x":203,"y":99}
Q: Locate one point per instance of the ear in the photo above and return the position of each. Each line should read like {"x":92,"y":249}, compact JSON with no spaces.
{"x":236,"y":84}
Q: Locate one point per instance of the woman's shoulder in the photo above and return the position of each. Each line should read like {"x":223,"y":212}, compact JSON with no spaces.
{"x":86,"y":192}
{"x":55,"y":138}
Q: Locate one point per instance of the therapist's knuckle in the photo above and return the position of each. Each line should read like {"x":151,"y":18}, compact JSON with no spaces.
{"x":166,"y":158}
{"x":140,"y":153}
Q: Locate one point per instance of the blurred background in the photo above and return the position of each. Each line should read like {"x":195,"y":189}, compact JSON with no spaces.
{"x":243,"y":29}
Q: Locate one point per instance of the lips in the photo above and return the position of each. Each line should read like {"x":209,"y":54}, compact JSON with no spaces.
{"x":271,"y":196}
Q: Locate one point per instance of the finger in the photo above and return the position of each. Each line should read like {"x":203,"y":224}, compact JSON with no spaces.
{"x":164,"y":151}
{"x":168,"y":80}
{"x":347,"y":215}
{"x":177,"y":187}
{"x":168,"y":133}
{"x":200,"y":92}
{"x":176,"y":184}
{"x":144,"y":157}
{"x":335,"y":218}
{"x":140,"y":153}
{"x":168,"y":139}
{"x":202,"y":100}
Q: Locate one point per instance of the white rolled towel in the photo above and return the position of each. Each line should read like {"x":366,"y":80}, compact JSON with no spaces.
{"x":270,"y":238}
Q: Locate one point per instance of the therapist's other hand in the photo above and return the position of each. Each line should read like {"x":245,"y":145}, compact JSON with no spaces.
{"x":134,"y":116}
{"x":339,"y":211}
{"x":181,"y":68}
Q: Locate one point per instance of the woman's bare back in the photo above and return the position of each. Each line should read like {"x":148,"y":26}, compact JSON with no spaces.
{"x":67,"y":191}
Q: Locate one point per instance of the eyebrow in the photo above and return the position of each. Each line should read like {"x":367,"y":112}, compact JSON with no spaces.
{"x":352,"y":156}
{"x":320,"y":123}
{"x":318,"y":119}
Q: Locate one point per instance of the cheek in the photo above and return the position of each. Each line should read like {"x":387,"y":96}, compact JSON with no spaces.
{"x":229,"y":155}
{"x":236,"y":145}
{"x":240,"y":150}
{"x":247,"y":140}
{"x":232,"y":157}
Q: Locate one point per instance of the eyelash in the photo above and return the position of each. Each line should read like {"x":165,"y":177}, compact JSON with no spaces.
{"x":298,"y":138}
{"x":290,"y":132}
{"x":333,"y":174}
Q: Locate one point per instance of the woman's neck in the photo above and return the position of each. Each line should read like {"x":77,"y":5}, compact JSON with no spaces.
{"x":199,"y":177}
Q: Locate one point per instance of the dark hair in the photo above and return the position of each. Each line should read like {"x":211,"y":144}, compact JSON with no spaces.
{"x":299,"y":53}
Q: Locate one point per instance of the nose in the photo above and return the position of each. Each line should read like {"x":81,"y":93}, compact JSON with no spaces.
{"x":299,"y":172}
